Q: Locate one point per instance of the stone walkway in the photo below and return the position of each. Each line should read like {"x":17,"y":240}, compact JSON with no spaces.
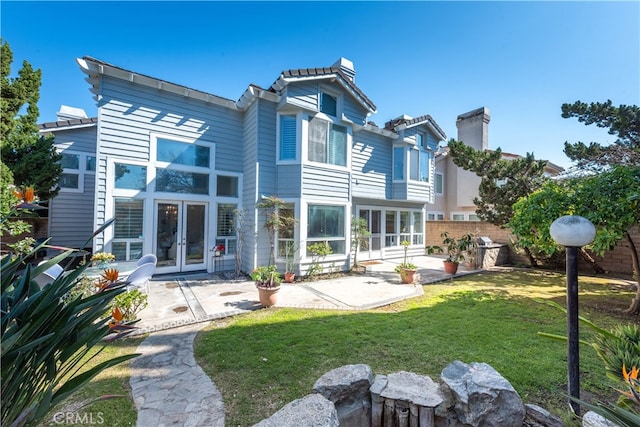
{"x":168,"y":386}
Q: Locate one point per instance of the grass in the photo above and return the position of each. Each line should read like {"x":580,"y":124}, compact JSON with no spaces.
{"x":262,"y":360}
{"x":116,"y":412}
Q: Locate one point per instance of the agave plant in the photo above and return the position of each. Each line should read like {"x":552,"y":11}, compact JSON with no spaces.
{"x":45,"y":337}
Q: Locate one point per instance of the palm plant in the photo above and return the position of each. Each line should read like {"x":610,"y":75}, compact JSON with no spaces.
{"x":46,"y":335}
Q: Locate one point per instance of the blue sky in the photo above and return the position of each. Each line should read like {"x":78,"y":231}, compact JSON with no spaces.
{"x":522,"y":60}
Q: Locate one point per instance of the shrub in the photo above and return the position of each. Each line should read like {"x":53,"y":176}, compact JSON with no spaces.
{"x":131,"y":303}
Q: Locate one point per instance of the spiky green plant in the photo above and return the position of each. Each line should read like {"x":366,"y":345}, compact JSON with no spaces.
{"x":45,"y":337}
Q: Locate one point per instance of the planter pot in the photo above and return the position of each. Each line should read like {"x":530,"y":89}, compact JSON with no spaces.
{"x":289,"y":277}
{"x":407,"y":276}
{"x":268,"y":296}
{"x":450,"y":267}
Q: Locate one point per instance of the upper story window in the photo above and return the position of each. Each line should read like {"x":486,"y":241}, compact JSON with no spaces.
{"x":130,"y":177}
{"x":182,"y":153}
{"x":227,"y":186}
{"x":328,"y":104}
{"x":398,"y":163}
{"x":327,"y":142}
{"x":420,"y":160}
{"x":439,"y":184}
{"x":74,"y":166}
{"x":419,"y":142}
{"x":288,"y":137}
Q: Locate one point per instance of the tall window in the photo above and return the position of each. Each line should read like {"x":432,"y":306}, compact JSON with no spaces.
{"x":419,"y":165}
{"x":177,"y":175}
{"x":226,"y":227}
{"x":439,"y":184}
{"x":398,"y":163}
{"x":328,"y":104}
{"x":287,"y":137}
{"x":327,"y":142}
{"x":391,"y":238}
{"x":128,"y":229}
{"x":326,"y":224}
{"x":286,"y":240}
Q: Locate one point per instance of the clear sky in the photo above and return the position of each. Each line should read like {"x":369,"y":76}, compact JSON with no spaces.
{"x":522,"y":60}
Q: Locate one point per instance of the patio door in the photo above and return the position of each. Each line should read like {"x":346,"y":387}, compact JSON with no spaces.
{"x":371,"y":248}
{"x":180,"y":236}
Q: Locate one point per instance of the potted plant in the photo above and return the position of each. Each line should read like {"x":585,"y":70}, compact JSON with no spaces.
{"x":407,"y":270}
{"x":455,"y":248}
{"x":290,"y":250}
{"x":102,"y":259}
{"x":267,"y":280}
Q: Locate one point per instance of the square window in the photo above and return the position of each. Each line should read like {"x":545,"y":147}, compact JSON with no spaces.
{"x":131,"y":177}
{"x":227,"y":186}
{"x":69,"y":180}
{"x":327,"y":142}
{"x":70,"y":161}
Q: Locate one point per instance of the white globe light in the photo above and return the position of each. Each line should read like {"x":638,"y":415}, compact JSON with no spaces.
{"x":572,"y":230}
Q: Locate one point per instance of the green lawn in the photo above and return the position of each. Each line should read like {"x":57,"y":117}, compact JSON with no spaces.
{"x":262,"y":360}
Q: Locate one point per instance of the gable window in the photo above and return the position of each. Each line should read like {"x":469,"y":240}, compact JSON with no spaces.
{"x":287,"y":137}
{"x":439,"y":184}
{"x":227,"y":186}
{"x":327,"y":142}
{"x":398,"y":163}
{"x":328,"y":104}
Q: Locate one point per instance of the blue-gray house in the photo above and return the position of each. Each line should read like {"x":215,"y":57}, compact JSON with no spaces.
{"x":175,"y":165}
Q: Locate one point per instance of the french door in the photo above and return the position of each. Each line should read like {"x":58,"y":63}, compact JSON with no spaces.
{"x":180,"y":236}
{"x":371,"y":247}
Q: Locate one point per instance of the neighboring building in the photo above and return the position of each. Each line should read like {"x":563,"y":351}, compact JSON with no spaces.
{"x":174,"y":165}
{"x":71,"y":211}
{"x":455,"y":188}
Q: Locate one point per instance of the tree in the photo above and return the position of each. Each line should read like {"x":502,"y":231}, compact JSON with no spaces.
{"x":31,"y":158}
{"x":608,"y":199}
{"x":503,"y":182}
{"x":623,"y":121}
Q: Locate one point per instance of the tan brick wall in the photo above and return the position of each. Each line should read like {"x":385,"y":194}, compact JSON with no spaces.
{"x":617,"y":260}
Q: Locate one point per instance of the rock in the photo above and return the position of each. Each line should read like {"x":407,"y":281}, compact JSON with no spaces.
{"x":540,"y":417}
{"x":417,"y":389}
{"x":348,"y":388}
{"x":591,"y":419}
{"x":481,"y":396}
{"x":313,"y":410}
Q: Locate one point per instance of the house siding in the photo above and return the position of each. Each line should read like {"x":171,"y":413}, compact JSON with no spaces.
{"x":371,"y":167}
{"x":71,"y":213}
{"x":319,"y":182}
{"x":353,"y":110}
{"x":303,"y":95}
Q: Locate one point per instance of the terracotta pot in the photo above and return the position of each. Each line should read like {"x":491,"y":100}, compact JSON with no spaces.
{"x":450,"y":267}
{"x":268,"y":296}
{"x":289,"y":277}
{"x":407,"y":276}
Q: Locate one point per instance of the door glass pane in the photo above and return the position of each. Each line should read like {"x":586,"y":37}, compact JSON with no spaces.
{"x":195,"y":234}
{"x":166,"y":234}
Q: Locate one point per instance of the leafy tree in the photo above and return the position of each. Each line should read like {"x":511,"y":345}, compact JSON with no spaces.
{"x":503,"y":182}
{"x":31,"y":158}
{"x":609,"y":200}
{"x":623,"y":121}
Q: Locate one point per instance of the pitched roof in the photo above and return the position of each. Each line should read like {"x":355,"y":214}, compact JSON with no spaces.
{"x":405,"y":122}
{"x":324,"y":73}
{"x":68,"y":124}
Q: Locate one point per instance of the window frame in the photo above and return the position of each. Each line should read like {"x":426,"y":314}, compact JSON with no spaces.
{"x":311,"y":240}
{"x":329,"y":127}
{"x":81,"y":172}
{"x":298,"y":130}
{"x":435,"y":184}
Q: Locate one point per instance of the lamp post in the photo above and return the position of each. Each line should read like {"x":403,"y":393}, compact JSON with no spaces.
{"x":573,"y":232}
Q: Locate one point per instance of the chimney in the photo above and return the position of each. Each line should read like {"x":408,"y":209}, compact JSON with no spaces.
{"x":473,"y":128}
{"x":70,"y":113}
{"x":346,"y":67}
